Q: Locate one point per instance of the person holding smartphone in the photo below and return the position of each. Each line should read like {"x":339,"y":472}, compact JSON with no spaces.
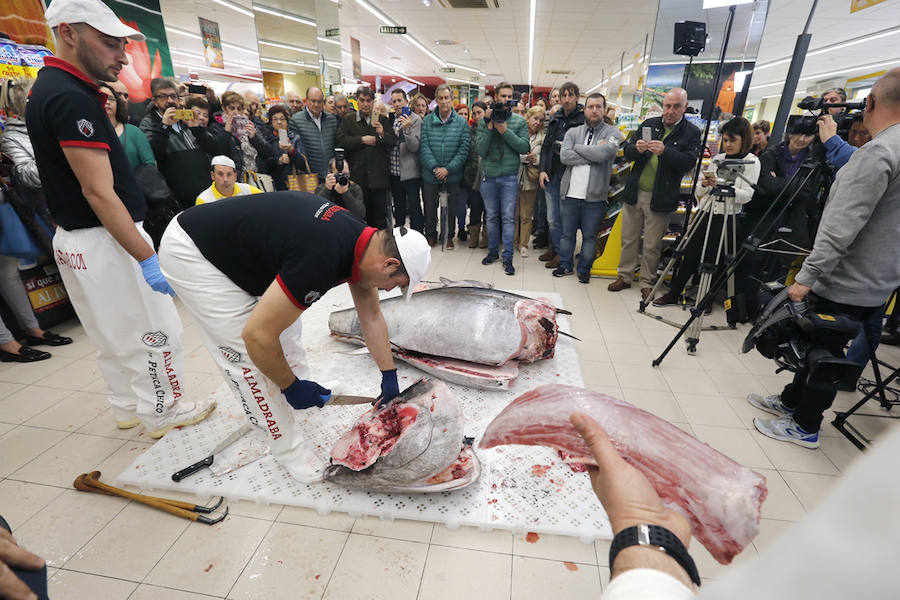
{"x":406,"y":168}
{"x":288,"y":153}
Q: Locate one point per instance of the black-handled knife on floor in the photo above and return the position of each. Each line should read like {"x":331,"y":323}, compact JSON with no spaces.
{"x":208,"y":461}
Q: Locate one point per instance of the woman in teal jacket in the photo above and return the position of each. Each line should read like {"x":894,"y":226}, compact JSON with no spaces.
{"x":444,"y":150}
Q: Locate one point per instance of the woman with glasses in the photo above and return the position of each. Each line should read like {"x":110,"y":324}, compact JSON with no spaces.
{"x":133,"y":140}
{"x":286,"y":155}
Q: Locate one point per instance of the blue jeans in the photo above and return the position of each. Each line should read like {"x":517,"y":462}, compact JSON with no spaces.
{"x":554,"y":221}
{"x":859,"y":348}
{"x":589,"y":216}
{"x":406,"y":201}
{"x":499,"y":195}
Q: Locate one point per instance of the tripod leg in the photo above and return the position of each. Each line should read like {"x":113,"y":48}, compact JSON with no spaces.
{"x":676,"y":254}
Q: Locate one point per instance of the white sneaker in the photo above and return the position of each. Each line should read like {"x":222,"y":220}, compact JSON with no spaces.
{"x":302,"y":463}
{"x":523,"y":251}
{"x":182,"y":415}
{"x":786,"y":429}
{"x":128,"y":423}
{"x":770,"y":404}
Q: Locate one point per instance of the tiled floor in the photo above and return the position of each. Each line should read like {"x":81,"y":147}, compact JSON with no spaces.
{"x":55,"y":424}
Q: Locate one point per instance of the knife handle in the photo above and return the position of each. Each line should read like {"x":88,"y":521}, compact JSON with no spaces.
{"x":202,"y":464}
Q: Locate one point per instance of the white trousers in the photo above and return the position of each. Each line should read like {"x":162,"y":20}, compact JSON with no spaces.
{"x":221,"y":309}
{"x":137,"y":331}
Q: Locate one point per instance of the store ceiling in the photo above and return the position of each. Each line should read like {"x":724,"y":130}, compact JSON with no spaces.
{"x":584,"y":40}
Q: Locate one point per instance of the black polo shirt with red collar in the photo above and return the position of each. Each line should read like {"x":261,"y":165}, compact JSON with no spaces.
{"x":305,"y":243}
{"x":66,"y":109}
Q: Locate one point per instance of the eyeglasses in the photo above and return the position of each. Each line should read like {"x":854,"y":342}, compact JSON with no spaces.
{"x":110,"y":99}
{"x":122,"y":95}
{"x":166,"y":96}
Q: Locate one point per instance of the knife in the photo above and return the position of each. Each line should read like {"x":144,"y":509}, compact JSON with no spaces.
{"x":339,"y":400}
{"x":235,"y":436}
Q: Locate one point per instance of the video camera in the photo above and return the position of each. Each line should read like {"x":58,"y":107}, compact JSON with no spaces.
{"x":813,"y":104}
{"x":500,"y":111}
{"x":795,"y":336}
{"x":342,"y":178}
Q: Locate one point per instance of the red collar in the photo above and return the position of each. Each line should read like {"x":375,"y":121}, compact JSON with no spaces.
{"x":362,"y":242}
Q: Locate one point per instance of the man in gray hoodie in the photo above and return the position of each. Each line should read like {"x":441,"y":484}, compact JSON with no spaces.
{"x":587,"y":152}
{"x":855,"y":261}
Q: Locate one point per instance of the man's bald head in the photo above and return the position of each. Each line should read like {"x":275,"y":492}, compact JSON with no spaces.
{"x":315,"y":101}
{"x":674,"y":104}
{"x":883,"y":103}
{"x":887,"y":88}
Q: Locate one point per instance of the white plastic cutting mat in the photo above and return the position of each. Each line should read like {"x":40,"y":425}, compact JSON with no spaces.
{"x":521,"y":488}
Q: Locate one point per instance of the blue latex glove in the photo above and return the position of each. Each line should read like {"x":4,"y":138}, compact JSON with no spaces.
{"x":154,"y":277}
{"x":304,"y":394}
{"x":390,"y":389}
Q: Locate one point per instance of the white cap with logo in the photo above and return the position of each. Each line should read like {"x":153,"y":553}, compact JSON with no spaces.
{"x":415,"y":254}
{"x":92,"y":12}
{"x":222,"y":161}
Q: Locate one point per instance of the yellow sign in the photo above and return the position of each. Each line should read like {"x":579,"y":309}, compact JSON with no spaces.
{"x":10,"y":71}
{"x":826,"y":317}
{"x":858,"y":5}
{"x":45,"y":297}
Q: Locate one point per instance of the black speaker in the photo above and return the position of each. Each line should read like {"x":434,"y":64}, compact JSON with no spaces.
{"x":690,"y":38}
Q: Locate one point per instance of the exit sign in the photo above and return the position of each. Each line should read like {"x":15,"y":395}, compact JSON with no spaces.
{"x":336,"y":32}
{"x":448,"y":70}
{"x":399,"y":29}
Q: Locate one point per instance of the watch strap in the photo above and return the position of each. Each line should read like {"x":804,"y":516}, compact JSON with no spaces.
{"x":657,"y":537}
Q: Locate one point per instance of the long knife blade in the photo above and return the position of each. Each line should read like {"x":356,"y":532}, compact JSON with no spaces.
{"x":200,"y":464}
{"x":340,"y":400}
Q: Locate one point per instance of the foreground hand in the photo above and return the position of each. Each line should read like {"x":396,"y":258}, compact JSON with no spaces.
{"x":250,"y":128}
{"x":641,"y":146}
{"x":827,"y":128}
{"x":154,"y":277}
{"x":369,"y":140}
{"x":390,"y":389}
{"x":379,"y":128}
{"x":656,"y":147}
{"x":500,"y":127}
{"x":13,"y":555}
{"x":441,"y":173}
{"x":168,"y":117}
{"x":303,"y":394}
{"x":625,"y":493}
{"x":798,"y":292}
{"x":330,"y":181}
{"x":543,"y":179}
{"x":405,"y":122}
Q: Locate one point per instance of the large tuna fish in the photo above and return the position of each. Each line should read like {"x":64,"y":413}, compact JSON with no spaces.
{"x":416,"y":444}
{"x":462,"y":334}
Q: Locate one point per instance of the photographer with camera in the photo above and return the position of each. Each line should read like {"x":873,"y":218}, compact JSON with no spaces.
{"x":855,"y":261}
{"x":502,"y":136}
{"x":837,"y":151}
{"x":338,"y":189}
{"x":550,"y":178}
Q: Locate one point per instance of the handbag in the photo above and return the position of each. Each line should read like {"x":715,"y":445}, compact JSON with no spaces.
{"x":532,"y":173}
{"x":15,"y":240}
{"x":305,"y":182}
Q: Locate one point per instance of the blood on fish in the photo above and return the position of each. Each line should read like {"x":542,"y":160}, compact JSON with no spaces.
{"x":208,"y":569}
{"x":532,"y":537}
{"x":539,"y":470}
{"x":571,"y":566}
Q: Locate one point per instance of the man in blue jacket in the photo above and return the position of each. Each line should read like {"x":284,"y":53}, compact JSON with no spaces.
{"x":444,"y":150}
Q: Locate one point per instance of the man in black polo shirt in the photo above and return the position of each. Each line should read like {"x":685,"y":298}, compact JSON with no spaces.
{"x":248,"y":266}
{"x":105,"y":258}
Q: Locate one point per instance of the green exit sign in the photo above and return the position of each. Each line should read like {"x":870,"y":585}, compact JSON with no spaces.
{"x":336,"y":32}
{"x":448,"y":70}
{"x":399,"y":29}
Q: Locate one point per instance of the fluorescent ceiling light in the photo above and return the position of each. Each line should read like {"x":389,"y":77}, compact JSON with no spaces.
{"x":196,"y":36}
{"x":378,"y":14}
{"x":830,"y":73}
{"x":284,"y":15}
{"x":739,"y":78}
{"x":531,"y":41}
{"x":708,"y":4}
{"x":288,"y":47}
{"x":295,"y":63}
{"x":198,"y":68}
{"x":235,"y":7}
{"x":430,"y":54}
{"x":327,"y":41}
{"x":391,"y":71}
{"x":465,"y":68}
{"x":858,"y":40}
{"x":279,"y":71}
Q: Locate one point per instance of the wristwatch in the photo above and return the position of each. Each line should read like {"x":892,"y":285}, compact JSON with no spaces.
{"x":655,"y":537}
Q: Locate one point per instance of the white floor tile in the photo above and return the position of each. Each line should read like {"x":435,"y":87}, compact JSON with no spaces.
{"x":291,"y":562}
{"x":25,"y":402}
{"x":69,"y":585}
{"x":708,"y":410}
{"x":472,"y":538}
{"x":642,"y":377}
{"x":737,"y":444}
{"x":690,"y":381}
{"x":72,"y":412}
{"x":661,"y":404}
{"x":769,"y":530}
{"x":75,"y":375}
{"x":810,"y":488}
{"x":152,"y":592}
{"x":791,"y":457}
{"x":63,"y":462}
{"x":374,"y":568}
{"x":473,"y":574}
{"x":554,"y":547}
{"x":537,"y":579}
{"x":398,"y":529}
{"x":781,"y":504}
{"x":19,"y":501}
{"x":306,"y":516}
{"x":28,"y":373}
{"x":23,"y":444}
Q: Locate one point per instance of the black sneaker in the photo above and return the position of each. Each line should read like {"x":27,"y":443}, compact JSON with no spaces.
{"x":584,"y":277}
{"x":490,"y":259}
{"x":561,"y":272}
{"x":509,"y":268}
{"x":540,"y":242}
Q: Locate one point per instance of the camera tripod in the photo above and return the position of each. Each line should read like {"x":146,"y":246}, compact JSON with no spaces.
{"x":751,"y":245}
{"x":721,"y":193}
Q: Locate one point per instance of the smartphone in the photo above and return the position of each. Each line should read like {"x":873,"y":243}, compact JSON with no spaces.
{"x":646,"y":133}
{"x":405,"y":111}
{"x":283,"y":136}
{"x":184,"y":114}
{"x":194,"y":88}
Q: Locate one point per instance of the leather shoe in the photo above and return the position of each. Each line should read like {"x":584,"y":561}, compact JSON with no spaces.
{"x":548,"y":255}
{"x":552,"y":263}
{"x":645,"y":294}
{"x":666,"y":300}
{"x":25,"y":354}
{"x":489,"y":259}
{"x":584,"y":277}
{"x":618,"y":285}
{"x":50,"y":338}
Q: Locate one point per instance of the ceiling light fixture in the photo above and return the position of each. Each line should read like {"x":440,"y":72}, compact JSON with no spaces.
{"x":840,"y":45}
{"x":830,"y":73}
{"x":279,"y":71}
{"x":196,"y":36}
{"x":448,"y":78}
{"x":377,"y":13}
{"x":284,"y":15}
{"x":531,"y":41}
{"x":388,"y":21}
{"x":235,"y":7}
{"x":391,"y":71}
{"x":288,"y":47}
{"x":708,"y":4}
{"x":465,"y":68}
{"x":295,"y":63}
{"x":430,"y":54}
{"x":327,"y":41}
{"x":198,"y":68}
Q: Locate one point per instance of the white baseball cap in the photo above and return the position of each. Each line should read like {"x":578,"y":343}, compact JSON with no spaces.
{"x":92,"y":12}
{"x":222,"y":161}
{"x":415,"y":254}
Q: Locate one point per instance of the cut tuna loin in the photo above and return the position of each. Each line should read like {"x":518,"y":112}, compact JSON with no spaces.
{"x":374,"y":435}
{"x":721,"y":498}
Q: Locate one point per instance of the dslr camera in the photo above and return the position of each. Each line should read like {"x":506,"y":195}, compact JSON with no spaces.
{"x":342,"y":178}
{"x":500,"y":111}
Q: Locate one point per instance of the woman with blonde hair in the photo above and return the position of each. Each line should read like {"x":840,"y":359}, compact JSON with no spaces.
{"x":528,"y":178}
{"x":419,"y":105}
